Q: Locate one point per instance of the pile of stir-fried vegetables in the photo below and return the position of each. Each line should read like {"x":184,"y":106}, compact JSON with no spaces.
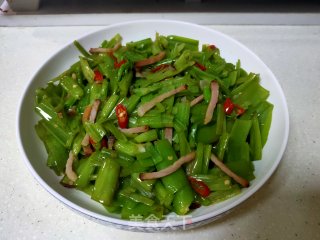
{"x":154,"y":126}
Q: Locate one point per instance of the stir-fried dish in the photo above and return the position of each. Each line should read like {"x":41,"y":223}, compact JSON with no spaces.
{"x":154,"y":126}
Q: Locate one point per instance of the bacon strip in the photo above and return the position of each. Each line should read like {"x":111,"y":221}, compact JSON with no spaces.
{"x":94,"y":110}
{"x":213,"y":101}
{"x":196,"y":100}
{"x":227,"y":171}
{"x":168,"y":134}
{"x":90,"y":114}
{"x":150,"y":60}
{"x":167,"y":171}
{"x":69,"y":171}
{"x":105,"y":50}
{"x":147,"y":106}
{"x":85,"y":140}
{"x":134,"y":129}
{"x":86,"y":113}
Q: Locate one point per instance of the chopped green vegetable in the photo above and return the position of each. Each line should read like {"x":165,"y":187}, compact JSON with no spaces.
{"x":146,"y":123}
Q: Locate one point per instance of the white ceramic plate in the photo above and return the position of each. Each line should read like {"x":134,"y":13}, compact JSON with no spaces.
{"x":35,"y":156}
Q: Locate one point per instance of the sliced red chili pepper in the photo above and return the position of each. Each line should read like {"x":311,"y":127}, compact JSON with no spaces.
{"x":119,"y":64}
{"x":122,"y":116}
{"x":200,"y":66}
{"x":199,"y":187}
{"x":104,"y":143}
{"x":116,"y":64}
{"x":239,"y":110}
{"x":159,"y":68}
{"x":98,"y":76}
{"x":91,"y":141}
{"x":228,"y":106}
{"x":72,"y":111}
{"x":213,"y":47}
